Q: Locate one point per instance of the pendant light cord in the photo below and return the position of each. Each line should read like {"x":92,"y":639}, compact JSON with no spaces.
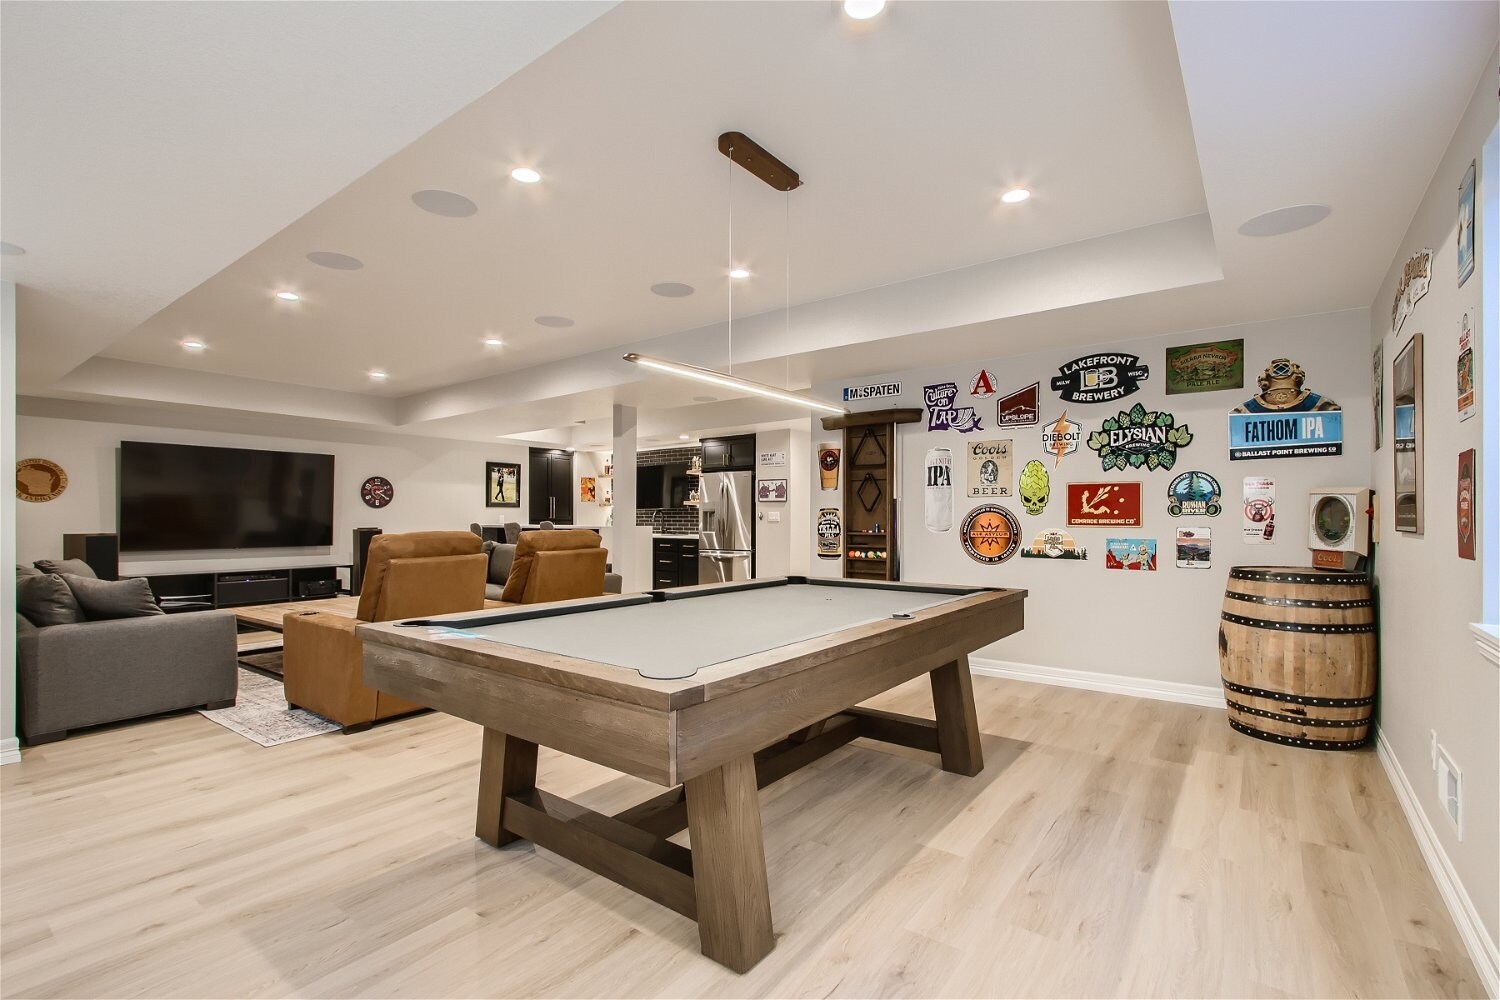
{"x":730,"y":263}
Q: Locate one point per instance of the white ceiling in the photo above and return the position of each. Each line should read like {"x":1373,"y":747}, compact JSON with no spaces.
{"x":1149,"y":133}
{"x":147,"y":145}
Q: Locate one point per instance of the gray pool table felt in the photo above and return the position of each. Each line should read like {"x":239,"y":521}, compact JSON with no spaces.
{"x":666,"y":640}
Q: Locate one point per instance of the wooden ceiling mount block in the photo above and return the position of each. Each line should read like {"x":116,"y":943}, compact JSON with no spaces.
{"x":867,"y":418}
{"x":754,"y":157}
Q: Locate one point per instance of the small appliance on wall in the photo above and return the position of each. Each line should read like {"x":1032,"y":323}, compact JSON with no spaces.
{"x":1338,"y":526}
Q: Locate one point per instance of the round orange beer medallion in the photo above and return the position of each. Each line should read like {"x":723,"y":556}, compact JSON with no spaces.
{"x":991,"y":534}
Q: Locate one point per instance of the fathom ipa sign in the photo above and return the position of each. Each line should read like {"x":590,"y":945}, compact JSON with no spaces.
{"x":1100,"y":378}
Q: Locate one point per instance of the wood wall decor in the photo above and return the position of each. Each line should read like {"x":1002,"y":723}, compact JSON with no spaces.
{"x":39,"y":480}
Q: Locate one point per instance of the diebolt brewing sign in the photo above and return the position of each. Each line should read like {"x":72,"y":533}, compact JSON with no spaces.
{"x":1100,"y":378}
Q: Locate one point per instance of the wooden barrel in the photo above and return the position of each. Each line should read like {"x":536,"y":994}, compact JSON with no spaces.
{"x":1297,"y":654}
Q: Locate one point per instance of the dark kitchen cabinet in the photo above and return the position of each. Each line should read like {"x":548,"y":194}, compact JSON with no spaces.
{"x":674,"y":562}
{"x":551,"y":489}
{"x":731,"y":454}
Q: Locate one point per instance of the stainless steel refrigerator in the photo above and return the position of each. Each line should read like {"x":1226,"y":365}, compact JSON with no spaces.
{"x":726,"y":511}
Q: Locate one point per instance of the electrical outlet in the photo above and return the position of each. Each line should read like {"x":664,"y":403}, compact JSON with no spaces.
{"x":1450,"y":789}
{"x":1432,"y":750}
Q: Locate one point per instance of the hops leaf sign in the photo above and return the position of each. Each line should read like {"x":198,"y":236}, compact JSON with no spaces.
{"x":1140,"y":438}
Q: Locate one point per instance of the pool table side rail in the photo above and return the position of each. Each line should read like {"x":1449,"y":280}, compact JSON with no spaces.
{"x":716,"y":680}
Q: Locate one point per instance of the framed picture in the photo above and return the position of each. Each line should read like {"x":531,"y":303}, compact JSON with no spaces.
{"x":1377,"y":394}
{"x":770,"y":490}
{"x":1406,"y":401}
{"x":587,"y":486}
{"x":1466,"y":225}
{"x":502,"y":484}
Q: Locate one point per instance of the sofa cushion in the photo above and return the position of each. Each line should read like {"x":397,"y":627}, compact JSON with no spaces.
{"x":46,"y":600}
{"x":101,"y":599}
{"x":533,"y":542}
{"x":26,"y":571}
{"x":502,"y":556}
{"x":23,"y":624}
{"x":71,"y":567}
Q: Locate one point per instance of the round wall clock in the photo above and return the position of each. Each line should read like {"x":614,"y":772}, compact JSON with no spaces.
{"x":377,"y":492}
{"x":38,"y":480}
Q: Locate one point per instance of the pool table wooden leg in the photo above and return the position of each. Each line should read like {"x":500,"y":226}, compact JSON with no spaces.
{"x":507,"y":766}
{"x":957,"y":722}
{"x":729,"y":865}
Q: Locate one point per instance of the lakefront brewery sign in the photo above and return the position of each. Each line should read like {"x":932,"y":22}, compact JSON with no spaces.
{"x":1100,"y":378}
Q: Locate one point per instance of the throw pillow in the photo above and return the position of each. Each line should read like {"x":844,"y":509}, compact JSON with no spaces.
{"x":112,"y":598}
{"x":72,"y":567}
{"x":26,"y":571}
{"x":46,"y":600}
{"x":501,"y":558}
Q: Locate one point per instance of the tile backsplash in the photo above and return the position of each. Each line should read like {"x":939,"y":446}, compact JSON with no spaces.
{"x":668,"y":520}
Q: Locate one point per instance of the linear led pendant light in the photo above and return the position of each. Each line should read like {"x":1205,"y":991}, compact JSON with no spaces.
{"x":746,"y":152}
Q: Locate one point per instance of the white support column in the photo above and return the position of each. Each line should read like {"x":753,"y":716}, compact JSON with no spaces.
{"x":624,"y":552}
{"x":10,"y":747}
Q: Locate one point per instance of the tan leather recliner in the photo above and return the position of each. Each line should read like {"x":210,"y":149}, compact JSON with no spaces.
{"x":557,"y":565}
{"x":413,"y":575}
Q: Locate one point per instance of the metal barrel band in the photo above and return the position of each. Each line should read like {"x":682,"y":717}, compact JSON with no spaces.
{"x":1298,"y":699}
{"x":1297,"y":626}
{"x":1291,"y":576}
{"x":1296,"y":602}
{"x":1297,"y":741}
{"x":1298,"y":720}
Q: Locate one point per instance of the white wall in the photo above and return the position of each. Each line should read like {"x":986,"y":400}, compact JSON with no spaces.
{"x":10,"y":751}
{"x":439,"y":486}
{"x":773,"y":539}
{"x":1160,"y":626}
{"x":1433,"y":678}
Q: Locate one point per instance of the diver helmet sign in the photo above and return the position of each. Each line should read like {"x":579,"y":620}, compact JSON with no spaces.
{"x":1285,"y":420}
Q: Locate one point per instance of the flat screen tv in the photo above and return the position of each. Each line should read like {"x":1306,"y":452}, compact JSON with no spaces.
{"x":659,"y":486}
{"x":175,"y":497}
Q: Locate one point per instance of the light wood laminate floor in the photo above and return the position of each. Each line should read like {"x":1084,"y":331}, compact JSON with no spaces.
{"x":1111,"y":847}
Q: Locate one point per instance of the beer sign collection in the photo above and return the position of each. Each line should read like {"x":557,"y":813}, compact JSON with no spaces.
{"x":1286,"y":418}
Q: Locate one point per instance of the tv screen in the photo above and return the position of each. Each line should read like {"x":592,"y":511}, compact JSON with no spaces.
{"x":179,"y":496}
{"x":658,"y":486}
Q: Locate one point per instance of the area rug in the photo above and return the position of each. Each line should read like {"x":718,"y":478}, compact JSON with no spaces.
{"x":260,"y":713}
{"x":266,"y":663}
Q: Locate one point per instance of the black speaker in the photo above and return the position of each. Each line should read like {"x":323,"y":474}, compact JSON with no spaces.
{"x":317,"y":588}
{"x":362,"y":539}
{"x":100,"y":551}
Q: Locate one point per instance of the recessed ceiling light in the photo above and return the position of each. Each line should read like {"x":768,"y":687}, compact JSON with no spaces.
{"x":672,"y":290}
{"x":336,"y":261}
{"x":454,"y":206}
{"x":193,"y":345}
{"x":1015,"y":196}
{"x":684,"y":437}
{"x":378,"y":375}
{"x":1285,"y":220}
{"x":493,"y":342}
{"x":863,"y":10}
{"x":11,"y":250}
{"x":705,"y":399}
{"x":286,"y":296}
{"x":739,"y":272}
{"x":525,"y":175}
{"x":554,"y":321}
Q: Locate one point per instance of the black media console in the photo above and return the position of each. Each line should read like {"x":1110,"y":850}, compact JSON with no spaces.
{"x":205,"y":591}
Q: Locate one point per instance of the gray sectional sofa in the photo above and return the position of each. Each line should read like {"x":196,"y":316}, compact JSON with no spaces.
{"x":103,"y":667}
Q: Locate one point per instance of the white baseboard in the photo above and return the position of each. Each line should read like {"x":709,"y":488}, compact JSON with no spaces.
{"x":10,"y":751}
{"x":1481,"y":947}
{"x":1204,"y":695}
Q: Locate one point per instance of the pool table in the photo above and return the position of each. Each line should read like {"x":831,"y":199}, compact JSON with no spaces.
{"x":713,"y":691}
